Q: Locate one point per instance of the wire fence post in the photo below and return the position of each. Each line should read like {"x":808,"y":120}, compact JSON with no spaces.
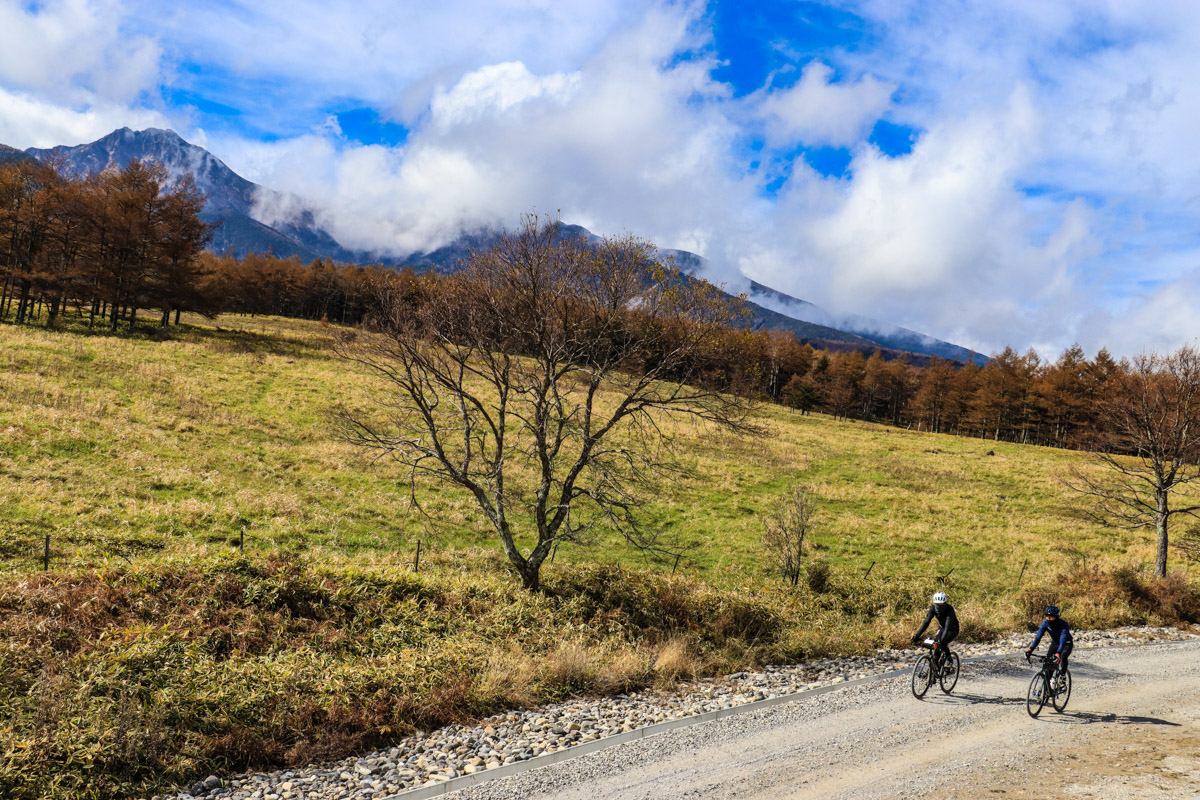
{"x":417,"y":558}
{"x":868,"y":572}
{"x":46,"y":555}
{"x":676,"y":563}
{"x":242,"y":542}
{"x":1022,"y":575}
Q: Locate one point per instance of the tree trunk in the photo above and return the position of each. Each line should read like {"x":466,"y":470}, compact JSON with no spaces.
{"x":1161,"y":515}
{"x":24,"y":306}
{"x":530,"y":577}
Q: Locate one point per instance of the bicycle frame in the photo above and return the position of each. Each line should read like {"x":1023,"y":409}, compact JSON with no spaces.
{"x":930,"y":669}
{"x":1045,"y":687}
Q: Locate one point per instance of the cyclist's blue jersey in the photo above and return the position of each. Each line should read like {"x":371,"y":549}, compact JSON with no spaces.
{"x":1058,"y":629}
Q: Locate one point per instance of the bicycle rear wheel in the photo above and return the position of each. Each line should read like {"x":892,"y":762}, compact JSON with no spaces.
{"x":922,"y":676}
{"x":1035,"y":700}
{"x":1064,"y":694}
{"x":950,"y":673}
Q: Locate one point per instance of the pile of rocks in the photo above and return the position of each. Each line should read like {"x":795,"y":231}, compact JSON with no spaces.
{"x":520,"y":735}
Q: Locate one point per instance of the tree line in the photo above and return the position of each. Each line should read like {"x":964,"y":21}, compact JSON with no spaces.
{"x":120,"y":241}
{"x":1014,"y":397}
{"x":107,"y":245}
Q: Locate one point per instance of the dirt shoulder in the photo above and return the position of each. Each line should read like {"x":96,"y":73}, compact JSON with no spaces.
{"x":1130,"y":731}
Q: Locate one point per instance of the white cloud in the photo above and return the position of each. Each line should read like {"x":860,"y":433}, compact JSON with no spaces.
{"x":494,"y":89}
{"x":1162,"y":320}
{"x":386,"y":55}
{"x":26,"y":120}
{"x":1036,"y":223}
{"x":74,"y":51}
{"x":618,"y":143}
{"x":818,"y":112}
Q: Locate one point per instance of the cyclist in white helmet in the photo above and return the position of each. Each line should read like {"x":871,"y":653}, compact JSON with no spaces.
{"x":947,"y":625}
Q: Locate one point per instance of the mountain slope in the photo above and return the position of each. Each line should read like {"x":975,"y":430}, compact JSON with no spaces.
{"x":888,"y":336}
{"x":231,"y":197}
{"x":224,"y":187}
{"x":447,"y":257}
{"x":8,"y":154}
{"x":231,"y":204}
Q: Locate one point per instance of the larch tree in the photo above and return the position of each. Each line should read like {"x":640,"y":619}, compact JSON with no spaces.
{"x":537,"y":378}
{"x":1151,"y":429}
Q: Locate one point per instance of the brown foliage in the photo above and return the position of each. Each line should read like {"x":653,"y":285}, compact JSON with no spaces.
{"x":116,"y":242}
{"x":1121,"y":596}
{"x":552,"y":351}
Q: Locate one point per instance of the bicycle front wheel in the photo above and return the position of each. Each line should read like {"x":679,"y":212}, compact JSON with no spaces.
{"x":1035,"y":700}
{"x":1063,"y":694}
{"x":922,"y":676}
{"x":950,"y":673}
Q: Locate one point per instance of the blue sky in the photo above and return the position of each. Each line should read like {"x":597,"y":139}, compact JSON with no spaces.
{"x":1017,"y":173}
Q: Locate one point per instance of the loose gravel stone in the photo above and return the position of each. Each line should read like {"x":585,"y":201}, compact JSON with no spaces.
{"x":439,"y":756}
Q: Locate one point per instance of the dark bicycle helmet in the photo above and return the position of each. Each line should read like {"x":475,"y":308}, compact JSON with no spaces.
{"x":1051,"y":611}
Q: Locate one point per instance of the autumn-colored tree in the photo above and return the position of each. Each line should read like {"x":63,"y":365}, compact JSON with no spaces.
{"x":1152,"y":448}
{"x":932,"y":404}
{"x":899,"y":386}
{"x":1004,"y":402}
{"x":845,"y":378}
{"x":1062,"y":393}
{"x":550,"y":352}
{"x":25,"y":193}
{"x":179,"y":236}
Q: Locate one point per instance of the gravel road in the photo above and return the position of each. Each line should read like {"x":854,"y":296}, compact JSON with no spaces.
{"x":1130,"y":731}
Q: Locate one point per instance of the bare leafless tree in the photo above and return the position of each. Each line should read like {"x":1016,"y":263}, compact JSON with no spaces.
{"x":537,"y":377}
{"x":785,"y":530}
{"x":1151,"y":447}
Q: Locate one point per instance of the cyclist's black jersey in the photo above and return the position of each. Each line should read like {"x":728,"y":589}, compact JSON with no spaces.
{"x":947,"y":621}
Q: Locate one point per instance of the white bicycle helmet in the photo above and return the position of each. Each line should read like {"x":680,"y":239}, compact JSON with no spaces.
{"x":939,"y":597}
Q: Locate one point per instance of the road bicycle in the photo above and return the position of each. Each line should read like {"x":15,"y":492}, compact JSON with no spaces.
{"x":928,"y":670}
{"x":1048,"y":685}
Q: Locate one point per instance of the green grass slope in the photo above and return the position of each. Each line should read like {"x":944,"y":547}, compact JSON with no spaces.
{"x":147,"y":459}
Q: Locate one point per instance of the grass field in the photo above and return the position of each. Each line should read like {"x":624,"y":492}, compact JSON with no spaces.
{"x":125,"y":448}
{"x":147,"y":459}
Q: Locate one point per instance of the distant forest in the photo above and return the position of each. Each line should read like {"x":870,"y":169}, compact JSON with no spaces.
{"x":103,"y":248}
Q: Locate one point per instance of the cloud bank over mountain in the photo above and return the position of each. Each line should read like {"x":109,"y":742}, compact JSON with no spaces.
{"x":1016,"y":174}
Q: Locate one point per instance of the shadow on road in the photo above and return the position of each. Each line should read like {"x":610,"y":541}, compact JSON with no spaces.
{"x":1069,"y":717}
{"x":1085,"y":670}
{"x":1065,"y":718}
{"x":966,"y":698}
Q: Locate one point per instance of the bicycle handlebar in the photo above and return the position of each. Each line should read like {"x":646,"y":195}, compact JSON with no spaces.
{"x":1046,"y":659}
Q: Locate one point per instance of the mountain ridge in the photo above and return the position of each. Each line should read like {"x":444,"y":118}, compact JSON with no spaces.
{"x":231,"y":202}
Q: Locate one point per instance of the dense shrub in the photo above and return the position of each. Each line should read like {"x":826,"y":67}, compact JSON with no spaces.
{"x":1123,"y":595}
{"x":226,"y":664}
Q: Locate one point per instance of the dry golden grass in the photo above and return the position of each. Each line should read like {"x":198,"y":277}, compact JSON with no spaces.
{"x":676,"y":659}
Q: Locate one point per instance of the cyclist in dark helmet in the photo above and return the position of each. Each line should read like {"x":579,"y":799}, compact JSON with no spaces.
{"x":1061,"y":643}
{"x":947,"y":625}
